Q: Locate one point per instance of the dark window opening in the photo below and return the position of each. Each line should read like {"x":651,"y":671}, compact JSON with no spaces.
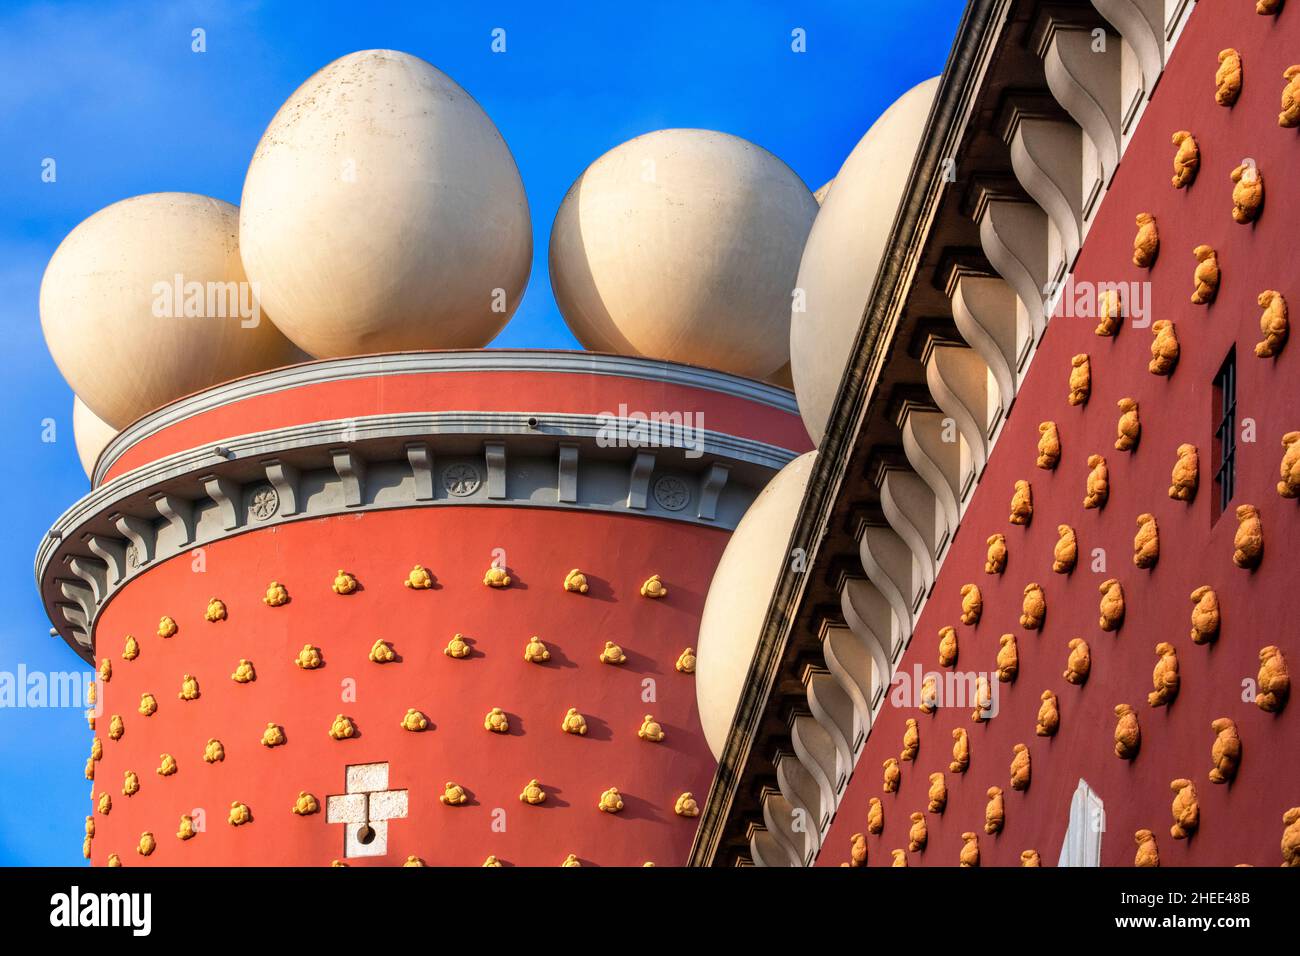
{"x":1225,"y":432}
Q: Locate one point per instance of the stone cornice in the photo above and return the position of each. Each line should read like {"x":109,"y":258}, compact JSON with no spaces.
{"x":1019,"y":105}
{"x":436,"y":459}
{"x":957,"y":263}
{"x":1027,"y":128}
{"x":978,"y":34}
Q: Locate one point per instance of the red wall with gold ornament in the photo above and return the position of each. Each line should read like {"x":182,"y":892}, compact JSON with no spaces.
{"x":540,"y":546}
{"x":1240,"y":822}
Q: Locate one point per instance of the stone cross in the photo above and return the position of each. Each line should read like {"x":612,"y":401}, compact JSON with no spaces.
{"x":366,"y":809}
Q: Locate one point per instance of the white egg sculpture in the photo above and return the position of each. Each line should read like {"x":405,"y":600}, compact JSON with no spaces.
{"x":736,"y":605}
{"x":383,"y":211}
{"x":91,"y":434}
{"x":683,"y":244}
{"x":146,"y":301}
{"x":845,"y":249}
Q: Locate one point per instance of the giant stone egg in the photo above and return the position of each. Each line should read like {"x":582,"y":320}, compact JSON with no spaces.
{"x":845,"y":249}
{"x":383,"y":211}
{"x":736,"y":606}
{"x":683,"y":244}
{"x":146,"y":301}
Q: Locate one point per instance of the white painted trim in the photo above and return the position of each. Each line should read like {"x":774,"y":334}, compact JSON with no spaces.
{"x":1087,"y":822}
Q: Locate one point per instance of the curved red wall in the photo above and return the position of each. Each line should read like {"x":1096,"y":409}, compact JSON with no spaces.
{"x":502,"y":391}
{"x":1240,"y":822}
{"x":456,"y":544}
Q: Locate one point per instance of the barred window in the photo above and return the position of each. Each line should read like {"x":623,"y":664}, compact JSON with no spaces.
{"x":1225,"y":432}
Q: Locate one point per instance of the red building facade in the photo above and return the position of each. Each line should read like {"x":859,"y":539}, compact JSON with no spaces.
{"x":1240,"y":822}
{"x":1056,"y":234}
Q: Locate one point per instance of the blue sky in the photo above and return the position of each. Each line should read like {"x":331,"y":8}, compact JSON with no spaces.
{"x":113,"y":93}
